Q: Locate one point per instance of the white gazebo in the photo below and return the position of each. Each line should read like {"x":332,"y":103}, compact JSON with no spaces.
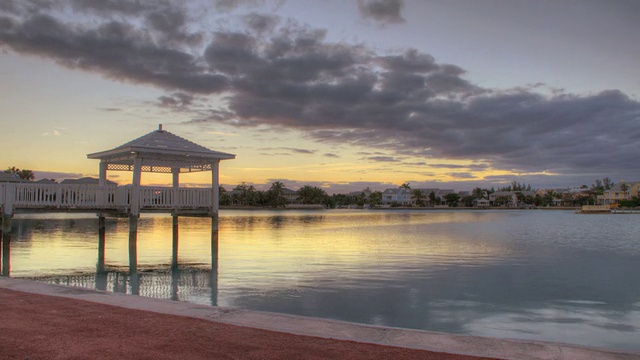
{"x":162,"y":152}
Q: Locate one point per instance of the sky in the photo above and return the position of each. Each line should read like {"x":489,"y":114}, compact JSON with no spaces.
{"x":338,"y":94}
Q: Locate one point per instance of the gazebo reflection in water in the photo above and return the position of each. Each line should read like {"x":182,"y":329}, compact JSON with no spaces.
{"x":197,"y":284}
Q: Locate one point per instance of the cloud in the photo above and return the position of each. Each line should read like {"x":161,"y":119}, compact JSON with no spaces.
{"x":261,"y":23}
{"x":290,"y":151}
{"x":330,"y":155}
{"x":279,"y":74}
{"x":53,"y":132}
{"x":462,"y":175}
{"x":115,"y":48}
{"x":176,"y":100}
{"x":383,"y":11}
{"x":228,"y":5}
{"x":300,"y":151}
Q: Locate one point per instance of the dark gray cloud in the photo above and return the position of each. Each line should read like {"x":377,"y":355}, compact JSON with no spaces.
{"x":383,"y":11}
{"x":116,"y":49}
{"x":124,"y":7}
{"x":228,"y":5}
{"x":331,"y":155}
{"x":261,"y":23}
{"x":281,"y":74}
{"x":177,"y":101}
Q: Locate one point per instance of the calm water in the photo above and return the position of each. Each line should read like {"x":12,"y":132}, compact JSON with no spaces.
{"x":541,"y":275}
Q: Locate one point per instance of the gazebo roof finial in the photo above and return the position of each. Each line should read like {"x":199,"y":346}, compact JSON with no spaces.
{"x":159,"y":127}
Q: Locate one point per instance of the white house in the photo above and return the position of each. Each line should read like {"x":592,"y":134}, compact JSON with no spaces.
{"x":396,"y":196}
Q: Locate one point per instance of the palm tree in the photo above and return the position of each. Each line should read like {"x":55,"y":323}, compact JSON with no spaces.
{"x":624,"y":187}
{"x":375,"y":198}
{"x":405,"y":186}
{"x":276,"y":198}
{"x":433,"y":199}
{"x":418,"y":195}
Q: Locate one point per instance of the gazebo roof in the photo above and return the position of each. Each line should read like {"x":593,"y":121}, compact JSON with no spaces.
{"x":160,"y":151}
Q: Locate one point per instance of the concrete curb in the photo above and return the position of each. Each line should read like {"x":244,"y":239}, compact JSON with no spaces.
{"x":416,"y":339}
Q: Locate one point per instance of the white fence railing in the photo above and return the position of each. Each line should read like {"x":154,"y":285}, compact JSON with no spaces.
{"x":180,"y":198}
{"x":62,"y":196}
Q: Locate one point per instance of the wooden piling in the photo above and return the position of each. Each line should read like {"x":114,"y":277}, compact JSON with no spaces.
{"x":175,"y":238}
{"x":101,"y":244}
{"x":6,"y":253}
{"x":5,"y":237}
{"x":133,"y":244}
{"x":214,"y":267}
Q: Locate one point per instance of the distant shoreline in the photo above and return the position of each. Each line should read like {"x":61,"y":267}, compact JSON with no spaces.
{"x":397,"y":208}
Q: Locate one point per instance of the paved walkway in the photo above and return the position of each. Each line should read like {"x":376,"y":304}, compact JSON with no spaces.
{"x":41,"y":321}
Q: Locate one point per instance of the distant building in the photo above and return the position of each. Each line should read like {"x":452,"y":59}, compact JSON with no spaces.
{"x":290,"y":195}
{"x":8,"y":177}
{"x":481,"y":203}
{"x":396,"y":196}
{"x":85,"y":181}
{"x":616,"y":193}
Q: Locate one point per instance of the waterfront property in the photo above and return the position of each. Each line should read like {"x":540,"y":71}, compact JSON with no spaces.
{"x":620,"y":191}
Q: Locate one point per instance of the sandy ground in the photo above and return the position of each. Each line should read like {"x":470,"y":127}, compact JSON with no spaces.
{"x":34,"y":326}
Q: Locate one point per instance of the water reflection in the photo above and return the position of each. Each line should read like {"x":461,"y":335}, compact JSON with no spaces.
{"x":176,"y":283}
{"x":553,"y":276}
{"x":183,"y":284}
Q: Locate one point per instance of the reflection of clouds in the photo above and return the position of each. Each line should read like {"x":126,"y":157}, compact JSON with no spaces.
{"x":589,"y":325}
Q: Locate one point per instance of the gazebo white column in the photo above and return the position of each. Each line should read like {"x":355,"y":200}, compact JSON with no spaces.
{"x":102,"y":182}
{"x":215,"y":188}
{"x":135,"y":189}
{"x":175,"y":201}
